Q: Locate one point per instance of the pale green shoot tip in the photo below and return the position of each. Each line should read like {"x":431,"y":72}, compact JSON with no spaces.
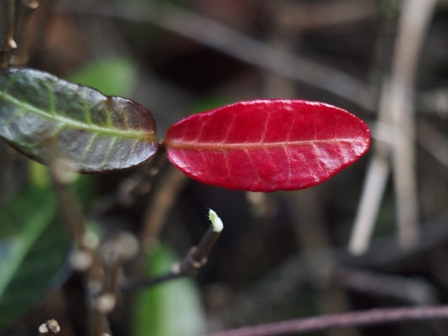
{"x":217,"y":223}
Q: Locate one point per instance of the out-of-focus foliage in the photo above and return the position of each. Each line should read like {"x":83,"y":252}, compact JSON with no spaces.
{"x":169,"y":309}
{"x":111,"y":76}
{"x":34,"y":246}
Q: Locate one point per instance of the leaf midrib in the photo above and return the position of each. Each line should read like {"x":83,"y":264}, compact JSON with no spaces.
{"x":131,"y":134}
{"x":253,"y":145}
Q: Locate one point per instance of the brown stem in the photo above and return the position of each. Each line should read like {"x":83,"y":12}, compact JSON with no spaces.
{"x":228,"y":41}
{"x":197,"y":256}
{"x":366,"y":318}
{"x":7,"y":25}
{"x":85,"y":258}
{"x":130,"y":189}
{"x":23,"y":31}
{"x":170,"y":186}
{"x":69,"y":206}
{"x":189,"y":266}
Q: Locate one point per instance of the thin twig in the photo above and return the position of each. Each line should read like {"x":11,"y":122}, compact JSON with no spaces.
{"x":313,"y":237}
{"x":170,"y":186}
{"x":308,"y":226}
{"x":355,"y":319}
{"x":61,"y":175}
{"x":408,"y":290}
{"x":379,"y":167}
{"x":429,"y":138}
{"x":137,"y":185}
{"x":85,"y":258}
{"x":242,"y":47}
{"x":308,"y":15}
{"x":6,"y":170}
{"x":26,"y":10}
{"x":413,"y":25}
{"x":8,"y":44}
{"x":197,"y":256}
{"x":434,"y":141}
{"x":288,"y":277}
{"x":192,"y":261}
{"x":233,"y":43}
{"x":433,"y":101}
{"x":396,"y":109}
{"x":375,"y":181}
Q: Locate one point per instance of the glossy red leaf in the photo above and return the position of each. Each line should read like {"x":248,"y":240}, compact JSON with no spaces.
{"x":267,"y":145}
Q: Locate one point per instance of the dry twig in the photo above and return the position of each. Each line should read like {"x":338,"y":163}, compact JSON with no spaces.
{"x":230,"y":42}
{"x":355,"y":319}
{"x":155,"y":217}
{"x":7,"y":10}
{"x":137,"y":185}
{"x":26,"y":9}
{"x":397,"y":105}
{"x":190,"y":264}
{"x":85,"y":258}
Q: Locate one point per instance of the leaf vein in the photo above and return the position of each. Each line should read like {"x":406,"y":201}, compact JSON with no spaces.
{"x":135,"y":134}
{"x":107,"y":154}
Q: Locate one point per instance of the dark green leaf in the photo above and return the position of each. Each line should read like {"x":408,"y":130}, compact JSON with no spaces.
{"x":170,"y":309}
{"x":34,"y":247}
{"x":47,"y":118}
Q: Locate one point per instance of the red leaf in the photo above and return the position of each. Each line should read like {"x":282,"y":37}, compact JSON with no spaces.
{"x":267,"y":145}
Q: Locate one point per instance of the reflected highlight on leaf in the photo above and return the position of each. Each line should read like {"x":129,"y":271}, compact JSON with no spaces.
{"x":47,"y":118}
{"x":267,"y":145}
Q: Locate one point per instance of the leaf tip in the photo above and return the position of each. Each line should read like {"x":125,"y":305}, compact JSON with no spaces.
{"x":217,"y":223}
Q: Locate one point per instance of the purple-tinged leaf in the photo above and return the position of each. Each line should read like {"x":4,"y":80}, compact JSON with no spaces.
{"x":47,"y":118}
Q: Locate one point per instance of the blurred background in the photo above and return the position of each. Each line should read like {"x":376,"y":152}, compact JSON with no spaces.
{"x":373,"y":236}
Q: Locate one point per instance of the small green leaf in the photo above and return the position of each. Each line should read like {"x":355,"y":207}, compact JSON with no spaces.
{"x":169,"y":309}
{"x":34,"y":248}
{"x":112,"y":76}
{"x":47,"y":118}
